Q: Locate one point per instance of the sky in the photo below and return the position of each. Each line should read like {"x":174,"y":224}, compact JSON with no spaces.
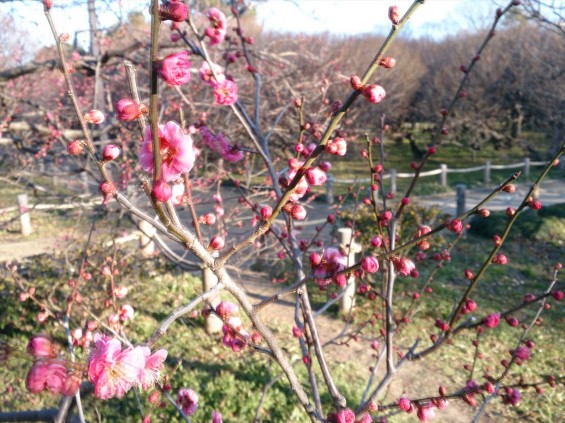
{"x":436,"y":18}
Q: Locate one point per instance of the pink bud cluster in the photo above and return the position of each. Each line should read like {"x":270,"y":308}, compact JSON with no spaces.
{"x":327,"y":266}
{"x":235,"y":337}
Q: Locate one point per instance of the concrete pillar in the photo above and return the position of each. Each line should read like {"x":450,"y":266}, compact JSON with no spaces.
{"x":487,"y":173}
{"x":25,"y":218}
{"x":392,"y":181}
{"x":347,"y":300}
{"x":443,"y":175}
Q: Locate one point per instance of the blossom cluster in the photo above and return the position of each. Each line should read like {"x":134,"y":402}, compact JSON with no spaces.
{"x":220,"y":144}
{"x":114,"y":370}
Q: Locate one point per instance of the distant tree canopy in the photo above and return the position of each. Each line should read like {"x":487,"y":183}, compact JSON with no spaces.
{"x":518,"y":88}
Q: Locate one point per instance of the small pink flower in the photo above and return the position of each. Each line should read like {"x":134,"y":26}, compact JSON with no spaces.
{"x":110,"y":152}
{"x":522,"y":353}
{"x":76,"y":147}
{"x":369,"y":264}
{"x":426,"y":412}
{"x":128,"y":110}
{"x":337,"y":146}
{"x":492,"y":320}
{"x":403,"y":265}
{"x":296,"y":332}
{"x":266,"y":212}
{"x":217,"y":29}
{"x":94,"y":116}
{"x":113,"y":371}
{"x":216,"y":417}
{"x":175,"y":11}
{"x":298,"y":212}
{"x":161,"y":191}
{"x":48,"y":375}
{"x":512,"y":396}
{"x":217,"y":243}
{"x":500,"y":259}
{"x":188,"y":400}
{"x":226,"y":309}
{"x":332,"y":262}
{"x":177,"y":153}
{"x":126,"y":312}
{"x":342,"y":416}
{"x":41,"y":346}
{"x":456,"y":225}
{"x":374,"y":93}
{"x":393,"y":14}
{"x":206,"y":74}
{"x":177,"y":194}
{"x":405,"y":404}
{"x":154,"y":363}
{"x":316,"y":176}
{"x":225,"y":93}
{"x":388,"y":62}
{"x":119,"y":292}
{"x":174,"y":69}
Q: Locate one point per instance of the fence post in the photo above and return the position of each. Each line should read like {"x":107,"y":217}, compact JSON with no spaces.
{"x":213,"y":323}
{"x":527,"y":167}
{"x":329,"y":190}
{"x":347,"y":300}
{"x":25,"y":218}
{"x":443,"y":175}
{"x":146,"y":240}
{"x":460,"y":199}
{"x":487,"y":172}
{"x":392,"y":181}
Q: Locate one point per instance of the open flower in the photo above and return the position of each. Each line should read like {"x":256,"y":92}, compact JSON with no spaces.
{"x":225,"y":93}
{"x":177,"y":153}
{"x":174,"y":69}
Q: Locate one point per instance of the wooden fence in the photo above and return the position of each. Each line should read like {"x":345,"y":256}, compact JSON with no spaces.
{"x":443,"y":171}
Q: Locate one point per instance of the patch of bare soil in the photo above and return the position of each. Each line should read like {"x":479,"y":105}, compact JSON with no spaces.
{"x":414,"y":379}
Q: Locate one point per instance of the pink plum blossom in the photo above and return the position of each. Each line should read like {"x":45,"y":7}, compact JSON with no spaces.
{"x":188,"y":400}
{"x":332,"y":262}
{"x":492,"y":320}
{"x":225,"y":93}
{"x":47,"y":375}
{"x":177,"y":153}
{"x":174,"y":69}
{"x":128,"y":110}
{"x":175,"y":11}
{"x":114,"y":371}
{"x":206,"y":74}
{"x":403,"y":265}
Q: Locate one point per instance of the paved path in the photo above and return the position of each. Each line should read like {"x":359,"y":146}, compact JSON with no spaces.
{"x":551,"y":192}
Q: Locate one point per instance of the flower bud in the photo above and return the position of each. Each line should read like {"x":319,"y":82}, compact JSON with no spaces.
{"x":162,"y":191}
{"x":128,"y":110}
{"x":94,"y":116}
{"x":355,"y":82}
{"x":369,"y":264}
{"x":217,"y":243}
{"x":374,"y":93}
{"x":110,"y":152}
{"x":173,"y":11}
{"x":76,"y":147}
{"x":393,"y":14}
{"x":388,"y":62}
{"x":298,"y":212}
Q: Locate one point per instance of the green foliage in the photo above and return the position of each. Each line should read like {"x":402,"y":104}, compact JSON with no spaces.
{"x":547,"y":224}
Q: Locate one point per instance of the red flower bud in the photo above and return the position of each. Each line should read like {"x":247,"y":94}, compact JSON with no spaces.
{"x":393,"y":14}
